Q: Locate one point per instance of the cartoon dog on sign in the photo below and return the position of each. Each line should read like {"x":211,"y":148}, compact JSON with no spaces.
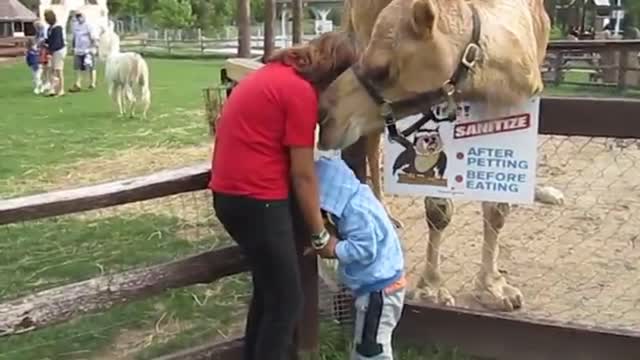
{"x":423,"y":160}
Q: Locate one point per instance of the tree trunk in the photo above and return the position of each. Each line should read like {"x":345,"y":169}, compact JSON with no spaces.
{"x":244,"y":28}
{"x":297,"y":21}
{"x":269,"y":23}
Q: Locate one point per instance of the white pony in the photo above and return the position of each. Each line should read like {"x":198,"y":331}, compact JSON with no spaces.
{"x":126,"y":74}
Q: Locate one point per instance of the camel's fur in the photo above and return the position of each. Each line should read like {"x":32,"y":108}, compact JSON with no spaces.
{"x":419,"y":44}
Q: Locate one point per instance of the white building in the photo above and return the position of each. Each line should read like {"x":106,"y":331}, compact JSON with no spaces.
{"x":95,"y":11}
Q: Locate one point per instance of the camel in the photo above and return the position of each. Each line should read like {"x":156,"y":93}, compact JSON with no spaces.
{"x":410,"y":50}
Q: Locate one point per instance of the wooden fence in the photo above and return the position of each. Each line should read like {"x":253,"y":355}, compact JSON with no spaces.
{"x":481,"y":333}
{"x":611,"y":63}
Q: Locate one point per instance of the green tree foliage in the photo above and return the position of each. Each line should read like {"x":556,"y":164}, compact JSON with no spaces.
{"x":176,"y":14}
{"x":205,"y":14}
{"x":125,"y":7}
{"x":31,"y":4}
{"x":212,"y":14}
{"x":632,"y":8}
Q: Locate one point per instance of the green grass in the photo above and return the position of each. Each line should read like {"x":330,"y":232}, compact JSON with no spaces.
{"x":42,"y":134}
{"x":52,"y":252}
{"x":584,"y":90}
{"x":39,"y":132}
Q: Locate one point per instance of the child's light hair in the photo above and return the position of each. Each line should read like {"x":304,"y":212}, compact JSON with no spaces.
{"x":31,"y":42}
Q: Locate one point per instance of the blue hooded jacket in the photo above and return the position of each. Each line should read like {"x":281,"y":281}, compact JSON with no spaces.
{"x":369,"y":251}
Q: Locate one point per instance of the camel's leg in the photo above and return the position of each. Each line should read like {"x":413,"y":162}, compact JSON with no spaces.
{"x":373,"y":160}
{"x":439,"y":213}
{"x":492,"y":289}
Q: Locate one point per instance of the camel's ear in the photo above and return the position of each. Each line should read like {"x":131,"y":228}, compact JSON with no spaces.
{"x":423,"y":17}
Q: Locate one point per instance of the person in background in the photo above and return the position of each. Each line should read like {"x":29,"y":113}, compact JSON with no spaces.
{"x":57,"y":49}
{"x":43,"y":56}
{"x":84,"y":50}
{"x":369,"y":254}
{"x":264,"y":148}
{"x":33,"y":62}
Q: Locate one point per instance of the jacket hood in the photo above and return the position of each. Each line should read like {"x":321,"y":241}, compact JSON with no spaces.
{"x":337,"y":184}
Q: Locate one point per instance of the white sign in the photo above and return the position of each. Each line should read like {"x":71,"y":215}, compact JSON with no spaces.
{"x":323,"y":26}
{"x":477,"y":157}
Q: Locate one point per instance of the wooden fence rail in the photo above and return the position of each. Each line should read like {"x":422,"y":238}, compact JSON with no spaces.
{"x":60,"y":304}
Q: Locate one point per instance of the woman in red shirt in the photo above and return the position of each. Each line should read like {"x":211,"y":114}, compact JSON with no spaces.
{"x":264,"y":147}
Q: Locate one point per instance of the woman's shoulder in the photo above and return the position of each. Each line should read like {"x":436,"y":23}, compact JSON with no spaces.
{"x":288,"y":78}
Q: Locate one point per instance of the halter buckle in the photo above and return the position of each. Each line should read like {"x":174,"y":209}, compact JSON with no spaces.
{"x":449,"y":89}
{"x":386,"y":111}
{"x":470,"y":56}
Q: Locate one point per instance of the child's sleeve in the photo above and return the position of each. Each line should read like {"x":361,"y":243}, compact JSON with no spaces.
{"x":358,"y":236}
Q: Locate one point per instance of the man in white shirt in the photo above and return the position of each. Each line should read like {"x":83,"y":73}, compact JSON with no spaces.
{"x":84,"y":49}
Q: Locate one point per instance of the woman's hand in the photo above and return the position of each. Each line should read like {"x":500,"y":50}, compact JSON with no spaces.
{"x":329,"y":250}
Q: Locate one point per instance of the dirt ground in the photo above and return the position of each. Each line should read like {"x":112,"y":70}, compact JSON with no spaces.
{"x":577,"y":262}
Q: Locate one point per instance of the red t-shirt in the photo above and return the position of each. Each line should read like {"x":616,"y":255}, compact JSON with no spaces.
{"x":269,"y":111}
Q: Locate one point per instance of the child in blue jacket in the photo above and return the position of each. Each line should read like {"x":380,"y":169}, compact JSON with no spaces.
{"x":369,"y":254}
{"x":33,"y":61}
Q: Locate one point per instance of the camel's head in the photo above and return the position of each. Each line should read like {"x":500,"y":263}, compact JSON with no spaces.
{"x":406,"y":55}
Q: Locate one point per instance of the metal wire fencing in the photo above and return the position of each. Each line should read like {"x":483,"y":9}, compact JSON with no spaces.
{"x":575,"y":262}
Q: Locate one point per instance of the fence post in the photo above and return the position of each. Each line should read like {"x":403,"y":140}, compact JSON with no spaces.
{"x":622,"y":69}
{"x":201,"y":41}
{"x":167,"y":41}
{"x":307,"y":344}
{"x":557,"y":68}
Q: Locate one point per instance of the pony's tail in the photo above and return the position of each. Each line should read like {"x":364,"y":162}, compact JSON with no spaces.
{"x":142,"y":76}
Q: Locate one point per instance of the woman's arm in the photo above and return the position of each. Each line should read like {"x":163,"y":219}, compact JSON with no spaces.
{"x":301,"y":118}
{"x":305,"y":186}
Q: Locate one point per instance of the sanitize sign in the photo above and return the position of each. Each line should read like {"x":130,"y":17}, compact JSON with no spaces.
{"x":477,"y":157}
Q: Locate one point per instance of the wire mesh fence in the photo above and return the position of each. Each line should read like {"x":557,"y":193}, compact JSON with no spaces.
{"x":576,"y":262}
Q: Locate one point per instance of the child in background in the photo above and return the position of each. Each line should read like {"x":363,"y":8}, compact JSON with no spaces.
{"x":369,"y":254}
{"x":43,"y":56}
{"x":34,"y":64}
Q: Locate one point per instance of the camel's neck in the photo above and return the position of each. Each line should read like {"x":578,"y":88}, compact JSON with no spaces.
{"x":455,"y":24}
{"x":455,"y":21}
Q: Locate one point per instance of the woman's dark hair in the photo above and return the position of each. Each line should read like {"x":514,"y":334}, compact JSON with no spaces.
{"x":321,"y":60}
{"x":50,"y":17}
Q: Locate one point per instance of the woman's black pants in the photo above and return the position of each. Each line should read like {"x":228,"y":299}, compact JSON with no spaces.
{"x":264,"y":231}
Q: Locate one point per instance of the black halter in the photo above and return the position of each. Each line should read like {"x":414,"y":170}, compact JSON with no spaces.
{"x":422,"y":102}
